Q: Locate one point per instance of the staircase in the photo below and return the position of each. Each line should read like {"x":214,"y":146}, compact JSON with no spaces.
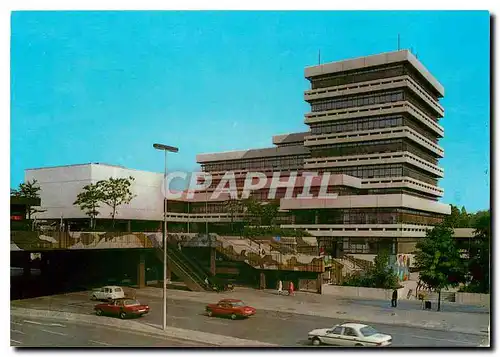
{"x":365,"y":265}
{"x":187,"y":270}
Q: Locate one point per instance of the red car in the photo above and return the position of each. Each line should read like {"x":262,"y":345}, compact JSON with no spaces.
{"x":230,"y":307}
{"x":122,"y":307}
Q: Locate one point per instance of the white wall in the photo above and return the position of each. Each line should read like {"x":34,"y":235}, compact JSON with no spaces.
{"x":359,"y":292}
{"x":60,"y":186}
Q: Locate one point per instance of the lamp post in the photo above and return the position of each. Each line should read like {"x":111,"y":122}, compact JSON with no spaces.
{"x":165,"y":149}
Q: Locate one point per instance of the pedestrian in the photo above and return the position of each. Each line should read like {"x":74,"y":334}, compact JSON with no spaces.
{"x":206,"y":281}
{"x":394,"y":300}
{"x":280,"y":287}
{"x":290,"y":288}
{"x":179,"y":246}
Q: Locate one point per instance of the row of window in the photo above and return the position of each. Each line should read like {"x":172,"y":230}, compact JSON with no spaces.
{"x":391,"y":170}
{"x":357,"y":101}
{"x":360,"y":124}
{"x":378,"y":122}
{"x":364,"y":75}
{"x":369,"y":147}
{"x":283,"y":162}
{"x":367,"y":216}
{"x":424,"y":107}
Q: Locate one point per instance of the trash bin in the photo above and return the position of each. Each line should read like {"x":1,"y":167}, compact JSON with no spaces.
{"x":428,"y":305}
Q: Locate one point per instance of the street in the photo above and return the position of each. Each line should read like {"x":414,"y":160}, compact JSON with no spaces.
{"x":38,"y":332}
{"x":285,"y":329}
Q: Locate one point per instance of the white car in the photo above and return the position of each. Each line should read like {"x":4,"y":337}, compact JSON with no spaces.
{"x":108,"y":293}
{"x":349,"y":334}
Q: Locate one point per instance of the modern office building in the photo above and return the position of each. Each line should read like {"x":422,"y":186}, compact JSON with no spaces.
{"x":374,"y":125}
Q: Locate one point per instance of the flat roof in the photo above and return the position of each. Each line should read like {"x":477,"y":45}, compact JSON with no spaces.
{"x":289,"y":138}
{"x":72,"y":165}
{"x":373,"y":61}
{"x":252,"y":153}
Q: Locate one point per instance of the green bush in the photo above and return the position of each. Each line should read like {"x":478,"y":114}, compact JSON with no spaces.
{"x":379,"y":276}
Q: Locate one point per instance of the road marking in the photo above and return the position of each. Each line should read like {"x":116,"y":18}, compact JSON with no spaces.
{"x":100,"y":343}
{"x":55,"y":333}
{"x":441,"y":339}
{"x":33,"y":322}
{"x":11,"y":340}
{"x":42,"y":324}
{"x":16,"y":323}
{"x":17,"y":331}
{"x":217,"y":322}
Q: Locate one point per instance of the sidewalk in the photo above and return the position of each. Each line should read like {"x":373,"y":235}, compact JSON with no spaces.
{"x":212,"y":340}
{"x":333,"y":307}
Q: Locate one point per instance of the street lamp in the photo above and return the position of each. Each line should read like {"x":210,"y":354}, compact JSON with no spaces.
{"x":165,"y":148}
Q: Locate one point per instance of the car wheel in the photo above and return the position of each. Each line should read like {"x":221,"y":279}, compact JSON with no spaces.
{"x":210,"y":313}
{"x":123,"y":315}
{"x":98,"y":312}
{"x":233,"y":316}
{"x":316,"y":341}
{"x":94,"y":297}
{"x":358,"y":345}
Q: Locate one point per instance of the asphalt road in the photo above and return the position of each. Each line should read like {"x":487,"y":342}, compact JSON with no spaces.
{"x":41,"y":332}
{"x":285,"y":329}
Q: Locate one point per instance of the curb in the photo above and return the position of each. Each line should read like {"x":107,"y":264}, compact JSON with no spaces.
{"x":419,"y":324}
{"x":172,"y":332}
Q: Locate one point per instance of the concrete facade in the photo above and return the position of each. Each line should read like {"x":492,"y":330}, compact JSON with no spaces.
{"x":60,"y":186}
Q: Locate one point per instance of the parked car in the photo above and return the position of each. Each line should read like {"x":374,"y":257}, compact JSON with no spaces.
{"x":350,"y":334}
{"x":108,"y":293}
{"x":230,"y":307}
{"x":122,"y":308}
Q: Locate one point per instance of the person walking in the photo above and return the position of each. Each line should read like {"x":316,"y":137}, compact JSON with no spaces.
{"x":280,"y":287}
{"x":394,"y":300}
{"x":290,"y":288}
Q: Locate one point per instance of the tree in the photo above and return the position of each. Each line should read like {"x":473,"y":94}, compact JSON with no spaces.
{"x":253,"y":210}
{"x":438,"y":260}
{"x":269,"y":212}
{"x":89,"y":201}
{"x":380,"y":275}
{"x":116,"y":192}
{"x":232,"y":207}
{"x":459,"y":218}
{"x":479,"y":256}
{"x":30,"y":190}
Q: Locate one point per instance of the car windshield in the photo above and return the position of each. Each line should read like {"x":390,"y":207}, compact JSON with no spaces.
{"x":368,"y":331}
{"x":238,"y":303}
{"x":131,"y":302}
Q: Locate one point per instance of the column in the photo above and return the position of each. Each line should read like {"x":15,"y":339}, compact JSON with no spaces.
{"x":316,"y":217}
{"x":26,"y":264}
{"x":141,"y":271}
{"x":212,"y":260}
{"x":262,"y":284}
{"x":319,"y":283}
{"x":129,"y":226}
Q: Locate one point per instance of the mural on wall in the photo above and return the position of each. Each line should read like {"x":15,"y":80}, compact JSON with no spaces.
{"x":258,"y":255}
{"x":401,"y":265}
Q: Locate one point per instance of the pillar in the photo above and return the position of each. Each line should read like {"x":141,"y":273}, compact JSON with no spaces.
{"x":44,"y":262}
{"x":262,"y":284}
{"x":169,"y":273}
{"x":26,"y":264}
{"x":319,"y":283}
{"x":141,"y":271}
{"x":129,"y":226}
{"x":212,"y":260}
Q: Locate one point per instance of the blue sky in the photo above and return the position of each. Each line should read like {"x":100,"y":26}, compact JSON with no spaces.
{"x":103,"y":86}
